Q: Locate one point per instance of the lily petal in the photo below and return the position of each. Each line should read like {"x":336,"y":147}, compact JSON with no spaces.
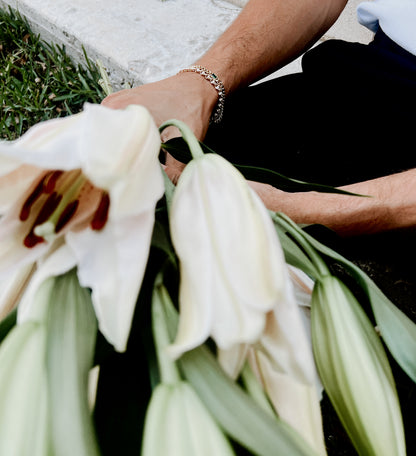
{"x":53,"y":144}
{"x":283,"y":362}
{"x":56,"y":263}
{"x":12,"y":289}
{"x":112,"y":263}
{"x":233,"y":359}
{"x":296,"y":403}
{"x":13,"y":182}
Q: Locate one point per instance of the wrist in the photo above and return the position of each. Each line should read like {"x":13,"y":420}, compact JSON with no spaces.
{"x":199,"y":89}
{"x":216,"y":83}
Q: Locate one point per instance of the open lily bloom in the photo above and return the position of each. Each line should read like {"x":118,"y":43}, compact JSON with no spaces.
{"x":231,"y":261}
{"x":91,"y":181}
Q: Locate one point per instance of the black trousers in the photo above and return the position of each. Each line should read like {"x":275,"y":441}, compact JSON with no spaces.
{"x":349,"y":116}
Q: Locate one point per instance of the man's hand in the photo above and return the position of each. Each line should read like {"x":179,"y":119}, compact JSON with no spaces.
{"x":185,"y":96}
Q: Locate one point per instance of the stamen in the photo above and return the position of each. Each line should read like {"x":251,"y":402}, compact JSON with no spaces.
{"x":30,"y":201}
{"x":45,"y":231}
{"x":66,"y":215}
{"x":60,"y":192}
{"x":32,"y":239}
{"x":48,"y":209}
{"x":45,"y":185}
{"x":49,"y":181}
{"x":101,"y":214}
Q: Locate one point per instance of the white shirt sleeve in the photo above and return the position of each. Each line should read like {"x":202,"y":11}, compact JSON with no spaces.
{"x":397,"y":19}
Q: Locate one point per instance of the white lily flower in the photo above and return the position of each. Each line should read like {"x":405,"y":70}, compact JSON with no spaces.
{"x":231,"y":260}
{"x":91,"y":180}
{"x":178,"y":424}
{"x":282,"y":361}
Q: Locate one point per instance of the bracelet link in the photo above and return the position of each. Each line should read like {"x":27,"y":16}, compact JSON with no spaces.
{"x":218,"y":85}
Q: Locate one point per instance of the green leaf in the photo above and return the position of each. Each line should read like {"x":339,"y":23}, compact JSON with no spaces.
{"x":294,"y":255}
{"x":161,"y":241}
{"x":180,"y":151}
{"x":397,"y":330}
{"x":287,"y":184}
{"x":237,"y":413}
{"x":320,"y":268}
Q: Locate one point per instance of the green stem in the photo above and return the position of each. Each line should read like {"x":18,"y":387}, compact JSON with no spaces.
{"x":187,"y":135}
{"x":169,"y":189}
{"x":286,"y":223}
{"x":169,"y":372}
{"x":255,"y":390}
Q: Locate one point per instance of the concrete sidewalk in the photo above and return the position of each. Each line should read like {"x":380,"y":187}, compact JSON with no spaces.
{"x":140,"y":41}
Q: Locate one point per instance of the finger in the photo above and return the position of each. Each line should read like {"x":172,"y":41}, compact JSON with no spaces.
{"x":169,"y":133}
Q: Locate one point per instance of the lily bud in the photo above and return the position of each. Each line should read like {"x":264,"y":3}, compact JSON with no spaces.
{"x":355,"y":371}
{"x":231,"y":261}
{"x":24,"y":425}
{"x":45,"y":363}
{"x":178,"y":424}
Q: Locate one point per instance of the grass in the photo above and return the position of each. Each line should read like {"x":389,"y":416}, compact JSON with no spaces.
{"x":38,"y":81}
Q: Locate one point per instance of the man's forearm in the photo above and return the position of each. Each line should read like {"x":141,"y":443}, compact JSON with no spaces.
{"x":266,"y":35}
{"x":391,"y":204}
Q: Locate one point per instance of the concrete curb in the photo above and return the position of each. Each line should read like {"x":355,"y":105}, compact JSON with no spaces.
{"x":140,"y":41}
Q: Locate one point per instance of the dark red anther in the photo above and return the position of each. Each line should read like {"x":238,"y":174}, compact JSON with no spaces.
{"x":31,"y":240}
{"x":66,"y":215}
{"x":101,"y":214}
{"x":48,"y":208}
{"x":49,"y":181}
{"x":30,"y":201}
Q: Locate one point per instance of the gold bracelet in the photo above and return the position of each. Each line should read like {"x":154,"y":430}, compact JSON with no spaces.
{"x":213,"y":79}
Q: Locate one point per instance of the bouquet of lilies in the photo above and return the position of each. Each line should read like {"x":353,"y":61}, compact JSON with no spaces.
{"x":225,"y":316}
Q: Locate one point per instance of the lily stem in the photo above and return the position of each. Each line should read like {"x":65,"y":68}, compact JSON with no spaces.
{"x":287,"y":224}
{"x":169,"y":372}
{"x":187,"y":134}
